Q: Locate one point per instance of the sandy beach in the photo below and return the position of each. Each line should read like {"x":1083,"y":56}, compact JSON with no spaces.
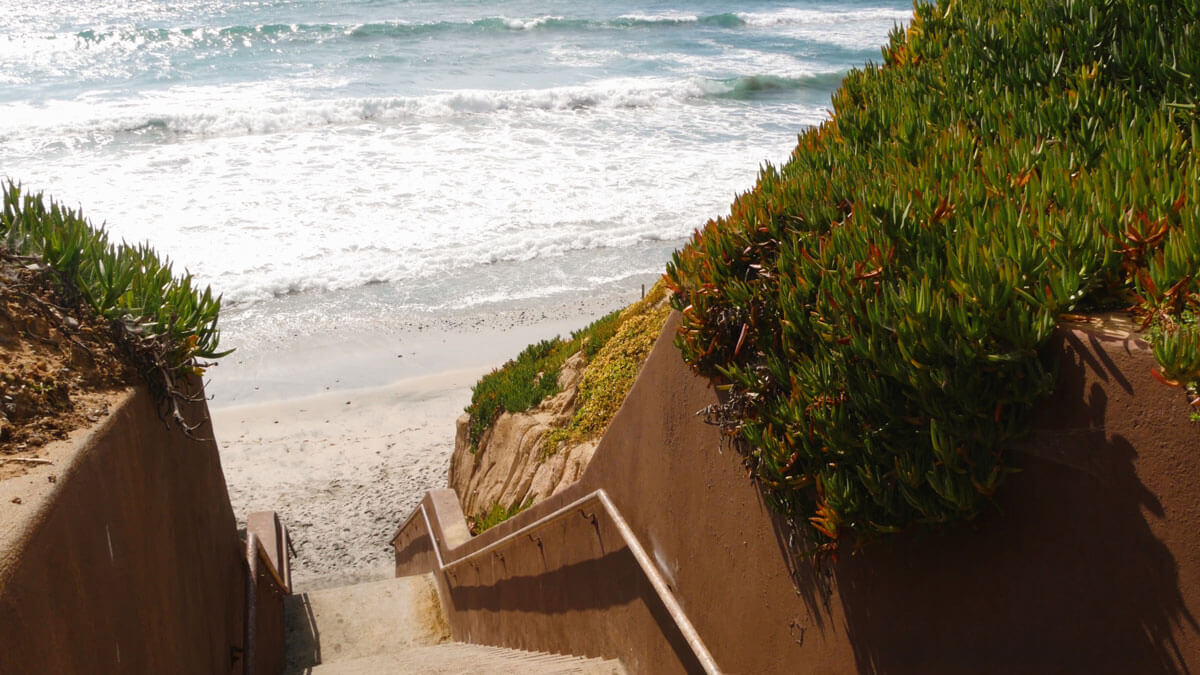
{"x":308,"y":432}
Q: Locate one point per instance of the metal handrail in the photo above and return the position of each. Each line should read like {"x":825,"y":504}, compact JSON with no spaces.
{"x":256,"y":553}
{"x":652,"y":573}
{"x":266,"y":557}
{"x":252,"y":546}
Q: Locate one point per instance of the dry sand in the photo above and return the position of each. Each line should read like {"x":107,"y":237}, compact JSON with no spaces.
{"x":344,"y":466}
{"x":342,"y":469}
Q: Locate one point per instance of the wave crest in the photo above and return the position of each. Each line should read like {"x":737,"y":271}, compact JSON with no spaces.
{"x":253,"y":112}
{"x":759,"y":86}
{"x":801,"y":17}
{"x":403,"y":29}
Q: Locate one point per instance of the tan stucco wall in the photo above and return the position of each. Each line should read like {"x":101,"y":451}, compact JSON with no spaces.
{"x":129,"y":561}
{"x":568,"y":584}
{"x":1090,"y":563}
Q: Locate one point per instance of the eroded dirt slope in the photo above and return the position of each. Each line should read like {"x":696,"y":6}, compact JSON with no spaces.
{"x":58,"y":364}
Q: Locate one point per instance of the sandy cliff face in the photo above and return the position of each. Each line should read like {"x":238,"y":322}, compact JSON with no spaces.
{"x":511,"y":466}
{"x":517,"y":464}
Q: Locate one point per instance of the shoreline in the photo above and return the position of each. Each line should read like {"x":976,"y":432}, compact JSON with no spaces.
{"x":343,"y":443}
{"x":302,"y":345}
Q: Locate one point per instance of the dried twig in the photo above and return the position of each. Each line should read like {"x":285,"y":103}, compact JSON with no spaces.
{"x":28,"y":460}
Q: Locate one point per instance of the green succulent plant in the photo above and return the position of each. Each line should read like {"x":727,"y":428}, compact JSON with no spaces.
{"x":167,"y":323}
{"x":525,"y":381}
{"x":875,"y":308}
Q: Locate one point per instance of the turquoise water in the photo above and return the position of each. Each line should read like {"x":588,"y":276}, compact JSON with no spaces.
{"x":421,"y":156}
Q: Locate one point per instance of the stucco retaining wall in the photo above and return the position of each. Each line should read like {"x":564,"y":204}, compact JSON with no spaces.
{"x":129,"y":561}
{"x":572,"y":582}
{"x":1090,"y":563}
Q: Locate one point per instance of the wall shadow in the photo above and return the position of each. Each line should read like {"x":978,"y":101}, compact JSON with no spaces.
{"x":1072,"y":572}
{"x":301,"y":637}
{"x":811,"y":575}
{"x":1069,"y":575}
{"x":608,"y":581}
{"x":417,"y":549}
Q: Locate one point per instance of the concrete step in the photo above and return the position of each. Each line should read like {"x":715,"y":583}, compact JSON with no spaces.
{"x":398,"y":626}
{"x":456,"y":658}
{"x":352,"y":622}
{"x":360,"y":575}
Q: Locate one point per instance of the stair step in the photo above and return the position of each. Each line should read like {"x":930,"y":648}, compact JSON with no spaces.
{"x":397,"y":626}
{"x":351,"y":622}
{"x":360,"y":575}
{"x":457,"y":658}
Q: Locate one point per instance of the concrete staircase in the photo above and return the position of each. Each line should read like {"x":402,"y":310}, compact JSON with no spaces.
{"x":398,"y":626}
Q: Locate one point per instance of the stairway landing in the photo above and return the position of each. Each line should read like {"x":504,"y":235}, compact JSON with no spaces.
{"x":397,"y":626}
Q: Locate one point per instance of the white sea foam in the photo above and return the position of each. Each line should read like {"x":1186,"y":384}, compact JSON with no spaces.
{"x":851,"y":29}
{"x":664,"y":17}
{"x":431,"y":199}
{"x":528,"y":24}
{"x":235,"y":110}
{"x":793,"y":16}
{"x":274,"y":151}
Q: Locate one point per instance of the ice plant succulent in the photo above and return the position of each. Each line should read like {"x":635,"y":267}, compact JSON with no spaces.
{"x":166,"y":323}
{"x":874,"y":308}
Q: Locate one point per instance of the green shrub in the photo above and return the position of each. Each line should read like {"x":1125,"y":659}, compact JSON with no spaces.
{"x":613,"y":366}
{"x":494,"y":516}
{"x":165,"y":322}
{"x":525,"y":381}
{"x":615,"y":345}
{"x":597,"y":334}
{"x":875,"y":307}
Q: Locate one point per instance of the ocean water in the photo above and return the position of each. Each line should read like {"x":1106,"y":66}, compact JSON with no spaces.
{"x":406,"y":157}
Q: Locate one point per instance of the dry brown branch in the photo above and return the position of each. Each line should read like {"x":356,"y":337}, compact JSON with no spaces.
{"x":27,"y":460}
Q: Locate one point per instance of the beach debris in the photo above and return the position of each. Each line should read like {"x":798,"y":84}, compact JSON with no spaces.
{"x":25,"y":460}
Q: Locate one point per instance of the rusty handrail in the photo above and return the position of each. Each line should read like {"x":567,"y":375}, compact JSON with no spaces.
{"x":256,"y":554}
{"x":266,"y":557}
{"x":251,"y":629}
